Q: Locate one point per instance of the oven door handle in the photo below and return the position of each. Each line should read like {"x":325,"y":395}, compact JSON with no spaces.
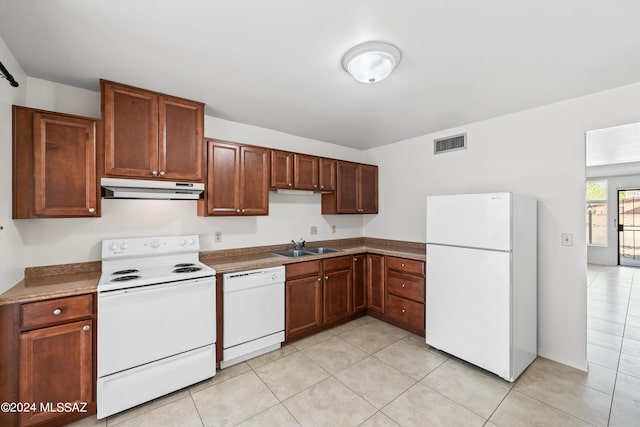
{"x":153,"y":288}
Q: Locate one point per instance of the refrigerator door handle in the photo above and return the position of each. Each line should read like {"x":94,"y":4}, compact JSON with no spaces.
{"x":470,"y":247}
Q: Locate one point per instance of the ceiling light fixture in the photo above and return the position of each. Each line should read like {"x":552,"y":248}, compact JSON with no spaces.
{"x":371,"y":62}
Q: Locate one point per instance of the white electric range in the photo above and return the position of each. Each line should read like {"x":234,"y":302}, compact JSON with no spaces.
{"x":156,"y":320}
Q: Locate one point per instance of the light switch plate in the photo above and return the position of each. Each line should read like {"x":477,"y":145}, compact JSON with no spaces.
{"x":567,"y":239}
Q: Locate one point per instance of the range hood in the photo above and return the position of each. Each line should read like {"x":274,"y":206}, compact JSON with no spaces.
{"x":118,"y":188}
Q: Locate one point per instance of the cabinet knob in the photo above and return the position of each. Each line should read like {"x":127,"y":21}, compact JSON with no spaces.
{"x":57,"y":312}
{"x":326,"y":277}
{"x":154,"y":173}
{"x":404,"y":285}
{"x":86,"y":327}
{"x":242,"y":210}
{"x":290,"y":185}
{"x":355,"y":259}
{"x":162,"y":173}
{"x":319,"y":279}
{"x":237,"y":210}
{"x":322,"y":186}
{"x":402,"y":265}
{"x":92,"y":210}
{"x":404,"y":311}
{"x":315,"y":185}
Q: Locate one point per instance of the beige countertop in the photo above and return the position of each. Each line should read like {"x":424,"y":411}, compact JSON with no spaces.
{"x":74,"y":279}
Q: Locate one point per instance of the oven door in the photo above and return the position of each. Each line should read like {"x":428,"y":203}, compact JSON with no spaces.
{"x":142,"y":325}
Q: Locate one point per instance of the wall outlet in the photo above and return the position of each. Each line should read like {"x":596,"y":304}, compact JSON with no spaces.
{"x":567,"y":239}
{"x":218,"y":236}
{"x":314,"y":229}
{"x":333,"y":228}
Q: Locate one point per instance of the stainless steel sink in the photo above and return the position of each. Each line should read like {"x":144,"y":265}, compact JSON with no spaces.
{"x":292,"y":253}
{"x":321,"y":250}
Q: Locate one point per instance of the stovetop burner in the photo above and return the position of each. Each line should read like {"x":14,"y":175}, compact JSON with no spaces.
{"x":184,"y":264}
{"x":129,"y":271}
{"x":125,"y":278}
{"x":187,"y":269}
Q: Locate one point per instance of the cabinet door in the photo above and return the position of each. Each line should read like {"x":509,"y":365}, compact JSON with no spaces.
{"x":327,"y":174}
{"x":359,"y":282}
{"x":64,"y":159}
{"x":337,"y":296}
{"x":368,"y":189}
{"x":56,"y":365}
{"x":303,"y":301}
{"x":376,"y":285}
{"x":254,"y":182}
{"x":281,"y":169}
{"x":223,"y":162}
{"x":181,"y":135}
{"x":131,"y":131}
{"x":347,"y":187}
{"x":305,"y":172}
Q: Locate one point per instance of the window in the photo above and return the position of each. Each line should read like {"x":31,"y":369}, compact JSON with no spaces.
{"x":597,"y":213}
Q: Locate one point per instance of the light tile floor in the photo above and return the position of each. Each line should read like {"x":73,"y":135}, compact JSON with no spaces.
{"x":368,"y":373}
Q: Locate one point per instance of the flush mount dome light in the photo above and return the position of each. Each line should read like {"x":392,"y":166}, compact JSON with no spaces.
{"x":371,"y":62}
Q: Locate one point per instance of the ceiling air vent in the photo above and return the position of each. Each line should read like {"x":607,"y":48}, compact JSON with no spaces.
{"x":450,"y":143}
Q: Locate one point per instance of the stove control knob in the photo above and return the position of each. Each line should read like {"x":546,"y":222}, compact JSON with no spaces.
{"x":124,"y":245}
{"x":191,"y":242}
{"x":113,"y":246}
{"x":183,"y":242}
{"x":155,"y":243}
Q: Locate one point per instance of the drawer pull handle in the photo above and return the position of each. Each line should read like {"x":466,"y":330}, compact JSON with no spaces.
{"x":401,"y":265}
{"x":404,"y":311}
{"x":57,"y":312}
{"x":404,"y":286}
{"x":86,"y":327}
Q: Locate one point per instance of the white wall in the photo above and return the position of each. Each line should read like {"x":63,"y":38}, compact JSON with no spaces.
{"x":540,"y":153}
{"x":608,"y":255}
{"x":59,"y":241}
{"x":12,"y":258}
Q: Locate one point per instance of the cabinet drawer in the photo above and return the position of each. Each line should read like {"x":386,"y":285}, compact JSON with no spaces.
{"x":406,"y":265}
{"x":303,"y":269}
{"x":406,"y":286}
{"x":339,"y":263}
{"x":56,"y":310}
{"x":406,"y":311}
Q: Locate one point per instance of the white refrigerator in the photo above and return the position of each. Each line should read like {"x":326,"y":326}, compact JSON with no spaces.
{"x":481,"y":280}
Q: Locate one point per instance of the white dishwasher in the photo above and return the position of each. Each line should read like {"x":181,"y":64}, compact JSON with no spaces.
{"x":253,"y":313}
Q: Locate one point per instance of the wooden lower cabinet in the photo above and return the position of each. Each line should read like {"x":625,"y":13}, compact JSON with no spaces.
{"x":359,"y":283}
{"x":375,"y":283}
{"x":318,"y":294}
{"x":303,"y":302}
{"x":405,"y":293}
{"x":49,"y":361}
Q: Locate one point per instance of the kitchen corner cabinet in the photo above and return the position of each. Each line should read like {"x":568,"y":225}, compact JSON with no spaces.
{"x":238,"y":180}
{"x":359,"y":283}
{"x":54,"y":165}
{"x":51,"y":351}
{"x":318,"y":294}
{"x":375,"y":283}
{"x":151,"y":135}
{"x":356,"y":190}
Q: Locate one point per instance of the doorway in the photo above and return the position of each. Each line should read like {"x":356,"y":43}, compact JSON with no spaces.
{"x":629,"y":227}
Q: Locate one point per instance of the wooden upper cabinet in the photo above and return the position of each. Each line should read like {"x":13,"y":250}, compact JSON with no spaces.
{"x":254,"y":181}
{"x":54,"y":165}
{"x":238,"y":180}
{"x":305,"y":171}
{"x":180,"y":140}
{"x":150,"y":135}
{"x":281,"y":169}
{"x":356,"y":190}
{"x":326,"y":174}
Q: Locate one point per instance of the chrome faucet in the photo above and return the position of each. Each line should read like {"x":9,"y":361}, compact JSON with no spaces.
{"x":298,"y":245}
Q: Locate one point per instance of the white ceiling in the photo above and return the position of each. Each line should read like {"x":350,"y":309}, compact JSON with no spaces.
{"x":277,"y":63}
